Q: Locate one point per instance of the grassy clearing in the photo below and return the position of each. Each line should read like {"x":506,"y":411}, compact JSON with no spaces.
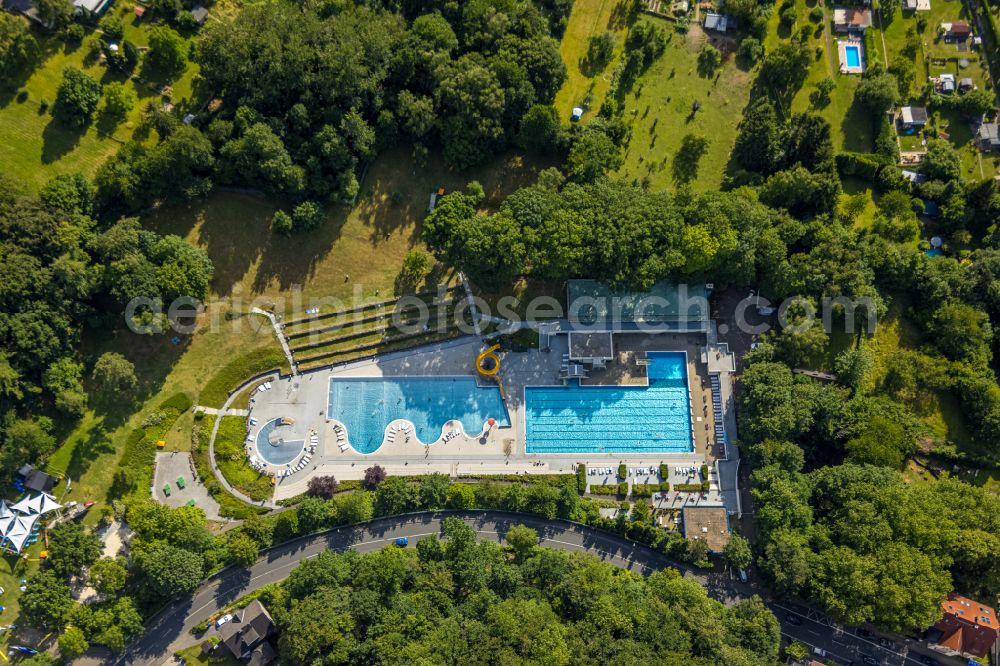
{"x":34,"y":147}
{"x":588,"y":18}
{"x":194,"y":657}
{"x":232,"y":460}
{"x":229,"y":506}
{"x":354,"y":258}
{"x":660,"y":111}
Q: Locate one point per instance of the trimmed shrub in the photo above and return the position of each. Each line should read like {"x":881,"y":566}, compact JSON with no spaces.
{"x":581,"y":478}
{"x":622,"y":472}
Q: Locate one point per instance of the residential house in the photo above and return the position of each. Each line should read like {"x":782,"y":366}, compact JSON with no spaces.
{"x":946,"y":84}
{"x":245,"y":636}
{"x":717,"y":22}
{"x":956,"y":31}
{"x":913,"y":117}
{"x":988,"y":136}
{"x":90,"y":7}
{"x":851,"y":20}
{"x":968,"y":629}
{"x":966,"y":84}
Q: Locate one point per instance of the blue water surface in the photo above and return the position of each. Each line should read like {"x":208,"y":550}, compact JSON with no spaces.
{"x":367,"y":405}
{"x":853,"y":54}
{"x":614,"y":419}
{"x":278,"y":453}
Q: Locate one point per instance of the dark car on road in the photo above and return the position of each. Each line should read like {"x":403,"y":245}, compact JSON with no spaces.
{"x":886,"y":643}
{"x":869,"y":660}
{"x":792,"y":618}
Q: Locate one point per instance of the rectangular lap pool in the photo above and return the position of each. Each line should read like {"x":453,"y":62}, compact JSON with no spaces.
{"x":614,"y":419}
{"x":367,"y":405}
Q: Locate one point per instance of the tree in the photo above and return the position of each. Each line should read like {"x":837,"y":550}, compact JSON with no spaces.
{"x":76,"y":98}
{"x":46,"y":600}
{"x":71,"y":548}
{"x":593,"y":155}
{"x":942,"y":161}
{"x":824,"y":87}
{"x":522,"y":540}
{"x":242,"y":550}
{"x":758,"y":144}
{"x":416,"y":267}
{"x":63,"y":379}
{"x":962,"y":333}
{"x":541,"y":131}
{"x":600,"y":48}
{"x":73,"y":643}
{"x":709,"y":59}
{"x":374,"y":476}
{"x":785,"y":68}
{"x":461,"y":496}
{"x":113,"y":27}
{"x":115,"y":375}
{"x":55,"y":14}
{"x":107,"y":575}
{"x":737,"y":553}
{"x":167,"y":51}
{"x":322,"y":486}
{"x":170,"y":571}
{"x":696,"y":551}
{"x":17,"y":46}
{"x":119,"y":99}
{"x":878,"y":93}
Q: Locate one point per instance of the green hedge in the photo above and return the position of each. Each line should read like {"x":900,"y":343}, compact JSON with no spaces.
{"x":581,"y":478}
{"x":231,"y":458}
{"x":622,"y":472}
{"x":229,"y":506}
{"x":135,"y":468}
{"x":689,"y":487}
{"x":664,"y":471}
{"x":647,"y":489}
{"x":608,"y":490}
{"x":704,"y":472}
{"x":239,"y":370}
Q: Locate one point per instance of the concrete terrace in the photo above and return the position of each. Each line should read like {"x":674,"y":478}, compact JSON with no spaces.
{"x":303,"y":398}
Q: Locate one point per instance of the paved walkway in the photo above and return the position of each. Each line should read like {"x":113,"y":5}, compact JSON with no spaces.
{"x":213,"y":411}
{"x":281,"y":337}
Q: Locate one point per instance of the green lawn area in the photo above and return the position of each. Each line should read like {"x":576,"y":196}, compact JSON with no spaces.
{"x":193,"y":657}
{"x":232,"y":460}
{"x":660,"y":110}
{"x":588,"y":17}
{"x":34,"y":147}
{"x":850,"y":125}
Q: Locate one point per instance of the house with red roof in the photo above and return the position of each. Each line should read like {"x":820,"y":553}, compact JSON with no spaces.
{"x":968,"y":628}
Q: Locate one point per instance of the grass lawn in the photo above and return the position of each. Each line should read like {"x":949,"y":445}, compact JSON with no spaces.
{"x":232,"y":460}
{"x":850,"y":125}
{"x":660,"y":111}
{"x":588,"y":17}
{"x":34,"y":147}
{"x":193,"y":657}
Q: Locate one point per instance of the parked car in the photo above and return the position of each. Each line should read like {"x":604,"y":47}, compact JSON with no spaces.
{"x":222,"y":620}
{"x":886,"y":643}
{"x":869,"y":660}
{"x":819,"y":652}
{"x":792,"y":618}
{"x":402,"y":542}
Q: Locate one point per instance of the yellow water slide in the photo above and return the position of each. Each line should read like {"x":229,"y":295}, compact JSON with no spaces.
{"x":488,"y":365}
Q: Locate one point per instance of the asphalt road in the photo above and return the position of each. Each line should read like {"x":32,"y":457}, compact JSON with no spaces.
{"x":169,"y":630}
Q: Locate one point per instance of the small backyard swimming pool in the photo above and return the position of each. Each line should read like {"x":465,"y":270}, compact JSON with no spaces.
{"x":853,"y":56}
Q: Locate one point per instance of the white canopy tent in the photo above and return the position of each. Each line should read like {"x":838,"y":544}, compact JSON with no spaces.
{"x":16,"y":529}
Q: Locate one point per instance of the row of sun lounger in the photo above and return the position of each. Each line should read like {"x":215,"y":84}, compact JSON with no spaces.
{"x":266,"y":386}
{"x":397,"y":428}
{"x":341,"y":434}
{"x":450,"y":436}
{"x":720,"y":428}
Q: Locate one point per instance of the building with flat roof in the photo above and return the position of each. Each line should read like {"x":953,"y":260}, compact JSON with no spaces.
{"x":851,"y":20}
{"x":674,"y":308}
{"x":707,"y":523}
{"x":968,"y":628}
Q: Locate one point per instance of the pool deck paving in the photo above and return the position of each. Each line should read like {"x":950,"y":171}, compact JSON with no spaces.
{"x":303,"y":398}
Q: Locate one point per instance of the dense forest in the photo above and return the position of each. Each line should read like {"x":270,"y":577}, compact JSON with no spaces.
{"x":469,"y":602}
{"x":62,"y":272}
{"x":312,"y":92}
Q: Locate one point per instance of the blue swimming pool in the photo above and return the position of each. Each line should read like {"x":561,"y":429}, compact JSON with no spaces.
{"x":853,"y":55}
{"x":367,"y":405}
{"x":614,"y":419}
{"x":279,"y":451}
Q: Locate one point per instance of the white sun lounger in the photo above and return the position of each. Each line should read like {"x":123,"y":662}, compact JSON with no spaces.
{"x":343,"y":447}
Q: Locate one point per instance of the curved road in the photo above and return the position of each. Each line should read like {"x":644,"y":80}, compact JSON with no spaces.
{"x":169,"y":630}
